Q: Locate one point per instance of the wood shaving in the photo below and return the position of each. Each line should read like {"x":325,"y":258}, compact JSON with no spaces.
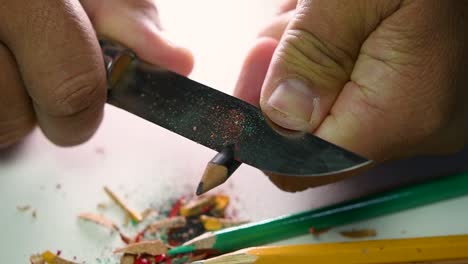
{"x":136,"y":216}
{"x":126,"y":239}
{"x":23,"y":208}
{"x":215,"y":223}
{"x":174,"y":230}
{"x":153,"y":248}
{"x":148,"y":213}
{"x":127,"y":220}
{"x":49,"y":258}
{"x":196,"y":206}
{"x":359,"y":233}
{"x":127,"y":259}
{"x":102,"y":206}
{"x":221,"y":202}
{"x":100,"y":220}
{"x":172,"y":222}
{"x":37,"y":259}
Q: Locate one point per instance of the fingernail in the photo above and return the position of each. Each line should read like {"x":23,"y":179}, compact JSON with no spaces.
{"x":293,"y":103}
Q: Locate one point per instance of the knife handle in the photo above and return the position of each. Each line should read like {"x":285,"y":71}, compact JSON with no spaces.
{"x":117,"y":58}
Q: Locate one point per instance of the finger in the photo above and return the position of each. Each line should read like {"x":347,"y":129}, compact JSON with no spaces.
{"x":298,"y":184}
{"x":16,"y":113}
{"x":287,"y":5}
{"x":61,"y":65}
{"x":254,"y":69}
{"x":135,"y":24}
{"x":277,"y":26}
{"x":312,"y":62}
{"x":399,"y":99}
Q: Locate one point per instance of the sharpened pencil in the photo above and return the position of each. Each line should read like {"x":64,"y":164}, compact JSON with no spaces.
{"x":218,"y":170}
{"x":284,"y":227}
{"x":443,"y":249}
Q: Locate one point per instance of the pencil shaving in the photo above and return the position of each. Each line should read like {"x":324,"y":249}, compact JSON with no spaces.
{"x":197,"y":206}
{"x":359,"y":233}
{"x":36,"y":259}
{"x":172,"y":222}
{"x":149,"y":212}
{"x":100,"y":220}
{"x":48,"y":257}
{"x":127,"y":259}
{"x":144,"y":246}
{"x":153,"y":248}
{"x":102,"y":206}
{"x":221,"y":202}
{"x":214,"y":223}
{"x":23,"y":208}
{"x":136,"y":216}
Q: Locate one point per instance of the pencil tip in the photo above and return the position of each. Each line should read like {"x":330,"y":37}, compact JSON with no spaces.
{"x":200,"y":190}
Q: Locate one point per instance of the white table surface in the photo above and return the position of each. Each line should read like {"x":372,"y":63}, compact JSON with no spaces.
{"x":151,"y":165}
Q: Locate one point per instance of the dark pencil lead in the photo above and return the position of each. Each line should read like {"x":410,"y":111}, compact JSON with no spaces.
{"x":200,"y":189}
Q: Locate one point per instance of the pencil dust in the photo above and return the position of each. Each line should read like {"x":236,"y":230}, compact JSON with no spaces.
{"x":158,"y":230}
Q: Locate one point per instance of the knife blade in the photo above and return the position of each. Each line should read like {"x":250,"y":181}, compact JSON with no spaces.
{"x":217,"y":120}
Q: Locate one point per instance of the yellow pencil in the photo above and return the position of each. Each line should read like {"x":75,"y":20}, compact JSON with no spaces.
{"x":436,"y":250}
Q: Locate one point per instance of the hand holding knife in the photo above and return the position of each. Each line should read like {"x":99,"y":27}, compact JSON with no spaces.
{"x":218,"y":121}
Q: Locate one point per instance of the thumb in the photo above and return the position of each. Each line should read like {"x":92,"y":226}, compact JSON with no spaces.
{"x":315,"y":58}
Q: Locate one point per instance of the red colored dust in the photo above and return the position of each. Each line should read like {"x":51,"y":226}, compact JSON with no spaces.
{"x":176,"y":207}
{"x":230,"y":126}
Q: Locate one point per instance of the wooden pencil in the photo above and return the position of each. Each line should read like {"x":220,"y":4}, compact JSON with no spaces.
{"x":443,"y":249}
{"x":284,"y":227}
{"x":218,"y":170}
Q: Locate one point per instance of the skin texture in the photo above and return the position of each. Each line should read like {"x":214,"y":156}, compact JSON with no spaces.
{"x":52,"y":69}
{"x":384,"y":79}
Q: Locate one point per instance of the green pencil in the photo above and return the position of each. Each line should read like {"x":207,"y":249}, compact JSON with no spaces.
{"x":284,"y":227}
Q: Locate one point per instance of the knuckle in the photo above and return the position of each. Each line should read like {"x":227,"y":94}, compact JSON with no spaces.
{"x":76,"y":93}
{"x":308,"y":55}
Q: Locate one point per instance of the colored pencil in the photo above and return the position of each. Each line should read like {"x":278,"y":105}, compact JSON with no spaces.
{"x":218,"y":170}
{"x":443,"y":249}
{"x":284,"y":227}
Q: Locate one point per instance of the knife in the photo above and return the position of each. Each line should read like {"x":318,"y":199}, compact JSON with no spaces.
{"x":217,"y":120}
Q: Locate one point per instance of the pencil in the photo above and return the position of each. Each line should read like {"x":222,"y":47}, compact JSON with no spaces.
{"x":443,"y":249}
{"x":218,"y":170}
{"x":284,"y":227}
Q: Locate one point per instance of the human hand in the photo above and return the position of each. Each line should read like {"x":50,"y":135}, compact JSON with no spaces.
{"x":52,"y":70}
{"x":384,"y":79}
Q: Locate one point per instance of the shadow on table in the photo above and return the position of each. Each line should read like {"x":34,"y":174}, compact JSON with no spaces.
{"x":394,"y":174}
{"x":9,"y":153}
